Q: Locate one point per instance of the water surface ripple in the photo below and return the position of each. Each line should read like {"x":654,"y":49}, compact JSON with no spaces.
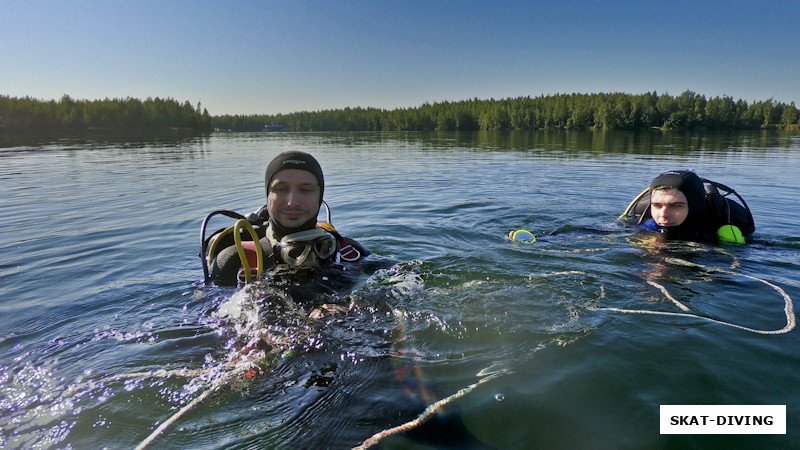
{"x":109,"y":333}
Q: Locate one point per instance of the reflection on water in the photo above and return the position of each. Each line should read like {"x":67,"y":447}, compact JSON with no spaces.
{"x":569,"y":143}
{"x":573,"y":341}
{"x":89,"y":139}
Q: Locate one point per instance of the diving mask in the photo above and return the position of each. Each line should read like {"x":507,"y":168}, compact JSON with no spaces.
{"x":523,"y":236}
{"x":306,"y":248}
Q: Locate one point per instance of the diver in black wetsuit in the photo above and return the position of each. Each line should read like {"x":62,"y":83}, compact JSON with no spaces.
{"x":306,"y":257}
{"x":681,"y":205}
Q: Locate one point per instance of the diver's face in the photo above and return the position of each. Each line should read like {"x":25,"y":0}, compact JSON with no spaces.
{"x":293,"y":197}
{"x":668,"y":208}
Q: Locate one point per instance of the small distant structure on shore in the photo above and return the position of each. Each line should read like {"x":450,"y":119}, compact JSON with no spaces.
{"x":273,"y":127}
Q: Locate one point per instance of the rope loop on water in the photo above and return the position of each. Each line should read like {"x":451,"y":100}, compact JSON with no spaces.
{"x":788,"y":306}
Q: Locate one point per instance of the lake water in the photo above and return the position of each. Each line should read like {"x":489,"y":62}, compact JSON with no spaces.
{"x":108,"y":331}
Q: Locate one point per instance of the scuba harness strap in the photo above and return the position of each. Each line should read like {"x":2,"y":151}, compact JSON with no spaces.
{"x":346,"y":251}
{"x":727,"y":210}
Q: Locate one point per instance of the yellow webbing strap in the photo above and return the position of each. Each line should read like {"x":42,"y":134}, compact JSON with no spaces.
{"x":633,"y":203}
{"x":237,"y":237}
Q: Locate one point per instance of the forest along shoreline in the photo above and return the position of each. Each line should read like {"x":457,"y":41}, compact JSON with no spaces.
{"x":615,"y":111}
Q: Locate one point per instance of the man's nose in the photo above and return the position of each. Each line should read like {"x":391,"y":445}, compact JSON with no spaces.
{"x":292,"y":197}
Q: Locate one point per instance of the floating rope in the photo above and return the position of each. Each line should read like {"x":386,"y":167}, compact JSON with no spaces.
{"x":788,"y":307}
{"x":149,"y":440}
{"x":241,"y":368}
{"x":667,"y":294}
{"x":557,"y":274}
{"x":429,"y":411}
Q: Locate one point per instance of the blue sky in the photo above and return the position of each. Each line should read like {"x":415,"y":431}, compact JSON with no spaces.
{"x":267,"y":57}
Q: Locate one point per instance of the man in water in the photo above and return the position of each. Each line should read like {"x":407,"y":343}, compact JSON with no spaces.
{"x":680,"y":206}
{"x":306,"y":257}
{"x":677,"y":205}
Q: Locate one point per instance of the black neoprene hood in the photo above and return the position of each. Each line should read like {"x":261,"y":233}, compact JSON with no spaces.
{"x":295,"y":160}
{"x":692,"y":187}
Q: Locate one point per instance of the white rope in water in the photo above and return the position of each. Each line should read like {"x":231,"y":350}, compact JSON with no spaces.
{"x":666,"y":294}
{"x":429,"y":411}
{"x":149,"y":440}
{"x":214,"y":386}
{"x":556,"y":274}
{"x":788,"y":307}
{"x":162,"y":373}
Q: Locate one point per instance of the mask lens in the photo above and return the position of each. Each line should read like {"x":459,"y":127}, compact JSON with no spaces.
{"x":295,"y":254}
{"x":325,"y":246}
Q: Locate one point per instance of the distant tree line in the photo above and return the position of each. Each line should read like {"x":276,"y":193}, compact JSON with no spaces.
{"x":615,"y":111}
{"x":29,"y":114}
